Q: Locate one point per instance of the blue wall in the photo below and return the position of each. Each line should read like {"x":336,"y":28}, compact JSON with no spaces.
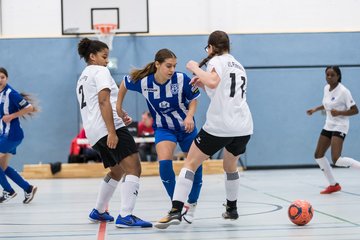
{"x":278,"y":97}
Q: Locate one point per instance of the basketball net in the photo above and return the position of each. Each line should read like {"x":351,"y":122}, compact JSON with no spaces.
{"x":105,"y":32}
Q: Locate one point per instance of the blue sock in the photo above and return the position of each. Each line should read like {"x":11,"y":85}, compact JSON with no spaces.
{"x":167,"y":176}
{"x":195,"y":190}
{"x":4,"y":182}
{"x":19,"y":180}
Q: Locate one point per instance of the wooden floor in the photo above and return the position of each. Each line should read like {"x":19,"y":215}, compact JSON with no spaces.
{"x":60,"y":209}
{"x":95,"y":170}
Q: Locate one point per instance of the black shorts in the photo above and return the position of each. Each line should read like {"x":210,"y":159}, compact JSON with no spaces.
{"x":330,"y":134}
{"x":210,"y":144}
{"x":124,"y":148}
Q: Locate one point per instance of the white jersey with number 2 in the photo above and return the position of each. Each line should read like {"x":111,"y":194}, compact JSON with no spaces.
{"x":228,"y":114}
{"x":93,"y":79}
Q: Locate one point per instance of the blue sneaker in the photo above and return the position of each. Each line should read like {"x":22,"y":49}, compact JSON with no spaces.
{"x":131,"y":221}
{"x":95,"y":216}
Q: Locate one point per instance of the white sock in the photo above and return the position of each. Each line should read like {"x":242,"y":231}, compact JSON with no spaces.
{"x":183,"y":185}
{"x":347,"y":162}
{"x":232,"y":183}
{"x":129,"y":192}
{"x":327,"y":170}
{"x":107,"y":189}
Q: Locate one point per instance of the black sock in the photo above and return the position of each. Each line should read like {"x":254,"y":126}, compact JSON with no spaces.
{"x":231,"y":204}
{"x":177,"y":206}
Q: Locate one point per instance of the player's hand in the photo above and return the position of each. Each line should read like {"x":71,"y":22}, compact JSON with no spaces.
{"x":124,"y":116}
{"x":7,"y":118}
{"x":112,"y":140}
{"x":335,"y":113}
{"x":195,"y":81}
{"x":310,"y":111}
{"x":189,"y":124}
{"x":191,"y":65}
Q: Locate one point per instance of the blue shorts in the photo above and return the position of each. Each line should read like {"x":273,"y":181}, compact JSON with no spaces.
{"x":184,"y":139}
{"x":8,"y":146}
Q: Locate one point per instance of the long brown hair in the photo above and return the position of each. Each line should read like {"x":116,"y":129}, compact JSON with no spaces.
{"x":160,"y":57}
{"x":26,"y":96}
{"x":220,"y":43}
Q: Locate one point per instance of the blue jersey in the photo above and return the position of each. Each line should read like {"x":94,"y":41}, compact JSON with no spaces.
{"x":11,"y":101}
{"x":169,"y":102}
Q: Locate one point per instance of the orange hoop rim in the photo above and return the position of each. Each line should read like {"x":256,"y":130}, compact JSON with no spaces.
{"x":105,"y":28}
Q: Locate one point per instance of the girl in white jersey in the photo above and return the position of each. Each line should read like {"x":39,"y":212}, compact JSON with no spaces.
{"x":97,"y":93}
{"x":339,"y":105}
{"x":225,"y":83}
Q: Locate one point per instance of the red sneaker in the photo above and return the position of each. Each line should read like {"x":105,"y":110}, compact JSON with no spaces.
{"x":331,"y":189}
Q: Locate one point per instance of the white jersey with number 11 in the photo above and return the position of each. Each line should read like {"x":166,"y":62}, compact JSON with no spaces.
{"x":228,"y":114}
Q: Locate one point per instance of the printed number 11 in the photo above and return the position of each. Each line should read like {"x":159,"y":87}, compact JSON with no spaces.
{"x":233,"y":84}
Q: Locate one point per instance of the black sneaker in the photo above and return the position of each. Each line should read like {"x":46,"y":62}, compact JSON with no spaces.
{"x":173,"y":218}
{"x":7,"y":196}
{"x":231,"y":213}
{"x":30,"y":196}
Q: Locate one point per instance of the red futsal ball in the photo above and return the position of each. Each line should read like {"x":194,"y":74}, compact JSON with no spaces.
{"x":300,"y":212}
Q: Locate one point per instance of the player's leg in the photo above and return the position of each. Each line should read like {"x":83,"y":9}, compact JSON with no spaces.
{"x":165,"y":146}
{"x":128,"y":192}
{"x":183,"y":187}
{"x":185,"y":142}
{"x":126,"y":151}
{"x":202,"y":147}
{"x":108,"y":185}
{"x":8,"y":192}
{"x":321,"y":148}
{"x":336,"y":149}
{"x":232,"y":178}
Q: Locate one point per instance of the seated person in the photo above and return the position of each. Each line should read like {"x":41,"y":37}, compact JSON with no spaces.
{"x":147,"y":151}
{"x":82,"y":152}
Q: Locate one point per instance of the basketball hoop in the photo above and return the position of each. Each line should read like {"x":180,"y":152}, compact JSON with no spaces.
{"x":105,"y":33}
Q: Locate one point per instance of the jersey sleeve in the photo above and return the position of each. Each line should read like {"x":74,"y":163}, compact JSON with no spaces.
{"x":103,"y":79}
{"x":18,"y":100}
{"x":349,"y":101}
{"x":214,"y":63}
{"x":132,"y":85}
{"x":191,"y":91}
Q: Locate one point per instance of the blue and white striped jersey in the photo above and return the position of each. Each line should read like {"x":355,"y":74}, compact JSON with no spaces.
{"x":11,"y":101}
{"x":168,"y":103}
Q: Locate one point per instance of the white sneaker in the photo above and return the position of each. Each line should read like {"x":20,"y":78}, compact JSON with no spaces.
{"x":190,"y":212}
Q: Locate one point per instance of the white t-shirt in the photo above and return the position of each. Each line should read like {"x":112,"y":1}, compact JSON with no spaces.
{"x":228,"y":114}
{"x":93,"y":79}
{"x":338,"y":99}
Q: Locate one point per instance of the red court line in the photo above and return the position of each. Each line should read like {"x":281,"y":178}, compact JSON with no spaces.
{"x":102,"y":228}
{"x":102,"y":231}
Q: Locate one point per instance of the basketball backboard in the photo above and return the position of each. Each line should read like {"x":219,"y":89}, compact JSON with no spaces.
{"x":79,"y":16}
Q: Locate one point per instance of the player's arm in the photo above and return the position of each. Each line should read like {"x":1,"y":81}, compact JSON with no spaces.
{"x":119,"y":103}
{"x":189,"y":120}
{"x":26,"y":110}
{"x":210,"y":79}
{"x":311,"y":111}
{"x":107,"y":115}
{"x":352,"y":111}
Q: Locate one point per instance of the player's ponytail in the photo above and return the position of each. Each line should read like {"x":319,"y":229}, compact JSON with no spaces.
{"x":150,"y":68}
{"x":137,"y":74}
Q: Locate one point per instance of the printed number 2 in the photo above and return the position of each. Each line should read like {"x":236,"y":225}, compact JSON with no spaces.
{"x":81,"y":91}
{"x":233,"y":84}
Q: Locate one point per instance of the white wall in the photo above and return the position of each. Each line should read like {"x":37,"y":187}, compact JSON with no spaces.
{"x":38,"y":18}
